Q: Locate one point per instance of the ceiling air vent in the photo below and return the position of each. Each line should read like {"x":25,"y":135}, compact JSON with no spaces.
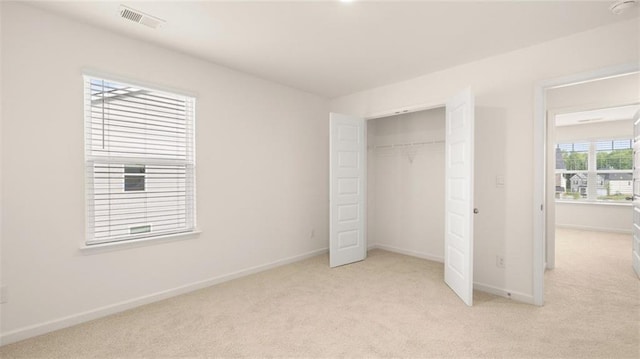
{"x":140,"y":17}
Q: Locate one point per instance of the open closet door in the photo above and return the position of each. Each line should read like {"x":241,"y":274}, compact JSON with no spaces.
{"x":636,"y":194}
{"x":347,"y":188}
{"x":458,"y":256}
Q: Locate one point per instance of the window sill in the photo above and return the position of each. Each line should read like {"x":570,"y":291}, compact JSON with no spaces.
{"x":597,"y":203}
{"x":135,"y":243}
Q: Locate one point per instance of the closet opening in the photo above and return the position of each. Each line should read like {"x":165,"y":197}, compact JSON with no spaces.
{"x":422,"y":169}
{"x":406,"y":183}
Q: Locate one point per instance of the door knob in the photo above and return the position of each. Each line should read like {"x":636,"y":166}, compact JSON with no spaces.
{"x":475,"y":211}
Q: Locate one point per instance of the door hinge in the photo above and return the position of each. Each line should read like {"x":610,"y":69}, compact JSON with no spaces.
{"x":541,"y":207}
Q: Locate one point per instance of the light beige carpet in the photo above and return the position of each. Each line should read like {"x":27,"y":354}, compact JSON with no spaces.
{"x":389,"y":305}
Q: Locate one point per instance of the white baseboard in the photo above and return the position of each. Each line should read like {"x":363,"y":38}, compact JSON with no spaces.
{"x":597,"y":229}
{"x":517,"y":296}
{"x":60,"y":323}
{"x":407,"y":252}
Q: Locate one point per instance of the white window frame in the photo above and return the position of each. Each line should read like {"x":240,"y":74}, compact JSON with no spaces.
{"x":592,"y":173}
{"x":185,"y":162}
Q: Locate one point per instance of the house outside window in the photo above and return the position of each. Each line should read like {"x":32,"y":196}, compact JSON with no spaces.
{"x":134,"y":178}
{"x":600,"y":170}
{"x":140,"y":162}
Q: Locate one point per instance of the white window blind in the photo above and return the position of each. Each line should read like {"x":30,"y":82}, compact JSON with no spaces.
{"x":597,"y":170}
{"x":140,"y":161}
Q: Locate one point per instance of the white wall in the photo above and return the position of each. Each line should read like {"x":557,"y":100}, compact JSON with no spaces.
{"x":406,"y":184}
{"x":504,"y":89}
{"x":596,"y":217}
{"x":262,"y":169}
{"x":616,"y":91}
{"x":622,"y":129}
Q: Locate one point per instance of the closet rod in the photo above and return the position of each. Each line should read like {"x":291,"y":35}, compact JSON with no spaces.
{"x":410,"y":144}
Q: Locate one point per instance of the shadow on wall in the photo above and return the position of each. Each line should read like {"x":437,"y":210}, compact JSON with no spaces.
{"x":490,"y":196}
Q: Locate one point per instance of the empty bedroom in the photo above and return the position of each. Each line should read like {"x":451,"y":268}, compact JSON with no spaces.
{"x":319,"y":179}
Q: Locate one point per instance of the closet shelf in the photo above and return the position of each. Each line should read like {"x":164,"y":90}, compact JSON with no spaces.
{"x":405,"y":145}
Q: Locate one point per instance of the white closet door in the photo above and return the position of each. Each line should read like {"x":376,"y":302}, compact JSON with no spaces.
{"x":458,"y":256}
{"x":636,"y":194}
{"x":347,"y":243}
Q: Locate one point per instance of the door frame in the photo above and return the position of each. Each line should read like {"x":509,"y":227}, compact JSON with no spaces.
{"x":635,"y":262}
{"x":406,"y":109}
{"x":397,"y":112}
{"x":540,"y":245}
{"x":425,"y":107}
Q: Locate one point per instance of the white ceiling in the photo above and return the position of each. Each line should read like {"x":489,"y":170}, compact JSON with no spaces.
{"x":335,"y":48}
{"x":600,"y":115}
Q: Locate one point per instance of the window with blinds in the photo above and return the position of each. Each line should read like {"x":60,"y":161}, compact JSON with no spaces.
{"x":596,"y":170}
{"x":140,"y":162}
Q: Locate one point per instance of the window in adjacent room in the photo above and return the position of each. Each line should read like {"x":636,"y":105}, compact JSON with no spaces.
{"x":140,"y":162}
{"x":599,"y":170}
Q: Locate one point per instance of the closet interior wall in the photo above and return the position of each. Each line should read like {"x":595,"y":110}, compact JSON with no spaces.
{"x":405,"y":177}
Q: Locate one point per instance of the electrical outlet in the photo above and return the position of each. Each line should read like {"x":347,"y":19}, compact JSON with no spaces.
{"x":4,"y":294}
{"x":499,"y":261}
